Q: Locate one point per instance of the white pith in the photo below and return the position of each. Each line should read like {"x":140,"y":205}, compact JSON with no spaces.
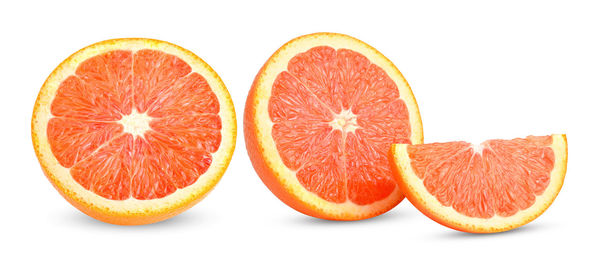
{"x":136,"y":123}
{"x":345,"y":121}
{"x":478,"y":147}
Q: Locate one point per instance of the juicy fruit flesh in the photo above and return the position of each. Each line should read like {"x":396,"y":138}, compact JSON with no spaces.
{"x":134,"y":124}
{"x":497,"y":177}
{"x":334,"y":116}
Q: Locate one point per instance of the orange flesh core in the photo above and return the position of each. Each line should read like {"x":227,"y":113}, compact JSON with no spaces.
{"x":497,"y":177}
{"x":134,"y":124}
{"x":334,"y":117}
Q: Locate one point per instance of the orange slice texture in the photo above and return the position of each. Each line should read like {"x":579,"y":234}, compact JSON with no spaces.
{"x":133,"y":131}
{"x":319,"y":121}
{"x":494,"y":186}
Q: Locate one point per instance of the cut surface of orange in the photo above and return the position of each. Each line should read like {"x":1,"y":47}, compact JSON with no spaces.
{"x":133,"y":131}
{"x":494,"y":186}
{"x":319,"y":121}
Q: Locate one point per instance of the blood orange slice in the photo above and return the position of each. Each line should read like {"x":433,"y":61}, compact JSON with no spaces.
{"x":491,"y":187}
{"x":133,"y":131}
{"x":319,"y":121}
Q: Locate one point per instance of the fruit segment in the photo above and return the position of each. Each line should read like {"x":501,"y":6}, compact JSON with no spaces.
{"x":107,"y":172}
{"x":76,"y":139}
{"x":155,"y":73}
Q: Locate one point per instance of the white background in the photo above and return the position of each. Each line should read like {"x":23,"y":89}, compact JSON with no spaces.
{"x":478,"y":71}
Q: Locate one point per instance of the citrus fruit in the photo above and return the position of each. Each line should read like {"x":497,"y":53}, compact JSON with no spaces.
{"x":494,"y":186}
{"x":319,"y":120}
{"x":133,"y":131}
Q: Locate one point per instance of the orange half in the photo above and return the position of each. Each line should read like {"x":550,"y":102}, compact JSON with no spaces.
{"x":491,"y":187}
{"x":133,"y":131}
{"x":319,"y":121}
